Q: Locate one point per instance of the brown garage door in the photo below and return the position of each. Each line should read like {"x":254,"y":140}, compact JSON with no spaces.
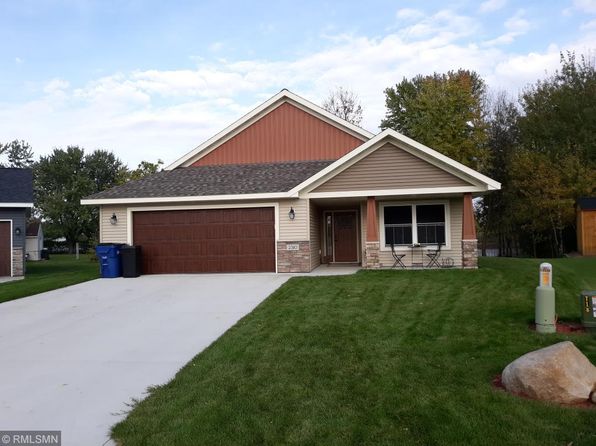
{"x":206,"y":241}
{"x":5,"y":249}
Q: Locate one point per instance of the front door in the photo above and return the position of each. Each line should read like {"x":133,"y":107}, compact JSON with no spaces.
{"x":345,"y":236}
{"x":5,"y":249}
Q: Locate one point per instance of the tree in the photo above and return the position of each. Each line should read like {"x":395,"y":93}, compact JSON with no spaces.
{"x":495,"y":213}
{"x":145,"y":168}
{"x":104,"y":169}
{"x":62,"y":179}
{"x":18,"y":153}
{"x":560,"y":116}
{"x":344,"y":104}
{"x":443,"y":111}
{"x":558,"y":133}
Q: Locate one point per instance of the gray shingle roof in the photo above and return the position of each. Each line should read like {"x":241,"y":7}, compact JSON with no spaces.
{"x":16,"y":185}
{"x":587,"y":203}
{"x":230,"y":179}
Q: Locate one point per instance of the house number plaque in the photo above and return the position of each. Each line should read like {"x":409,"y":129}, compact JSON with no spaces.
{"x":292,"y":247}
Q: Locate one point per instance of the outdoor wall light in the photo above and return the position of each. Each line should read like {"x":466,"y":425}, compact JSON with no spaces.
{"x":292,"y":214}
{"x":113,"y":219}
{"x":17,"y":232}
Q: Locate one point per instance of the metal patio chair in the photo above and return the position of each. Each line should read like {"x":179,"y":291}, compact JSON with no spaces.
{"x":433,"y":255}
{"x":397,"y":257}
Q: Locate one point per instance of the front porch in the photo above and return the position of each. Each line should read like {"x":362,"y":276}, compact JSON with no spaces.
{"x":361,"y":231}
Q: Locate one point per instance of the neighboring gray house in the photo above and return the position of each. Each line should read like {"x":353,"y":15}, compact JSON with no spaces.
{"x":34,"y":240}
{"x":16,"y":197}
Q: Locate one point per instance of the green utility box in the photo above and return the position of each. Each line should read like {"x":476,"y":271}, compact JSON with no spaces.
{"x":588,"y":308}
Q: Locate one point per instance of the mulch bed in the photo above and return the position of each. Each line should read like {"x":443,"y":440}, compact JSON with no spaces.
{"x":566,"y":327}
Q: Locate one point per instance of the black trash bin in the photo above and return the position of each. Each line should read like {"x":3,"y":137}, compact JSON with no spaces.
{"x":131,"y":261}
{"x":45,"y":254}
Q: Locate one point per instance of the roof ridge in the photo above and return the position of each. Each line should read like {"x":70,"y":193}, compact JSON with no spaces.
{"x":330,"y":160}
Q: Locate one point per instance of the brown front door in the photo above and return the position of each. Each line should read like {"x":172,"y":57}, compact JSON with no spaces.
{"x":345,"y":236}
{"x":5,"y":249}
{"x":207,"y":240}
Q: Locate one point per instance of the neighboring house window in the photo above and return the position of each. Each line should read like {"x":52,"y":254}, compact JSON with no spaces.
{"x":407,"y":224}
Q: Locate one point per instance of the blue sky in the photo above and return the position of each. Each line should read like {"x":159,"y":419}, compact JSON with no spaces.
{"x":152,"y":79}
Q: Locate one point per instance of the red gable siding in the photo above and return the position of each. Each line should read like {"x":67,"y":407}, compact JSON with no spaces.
{"x":285,"y":134}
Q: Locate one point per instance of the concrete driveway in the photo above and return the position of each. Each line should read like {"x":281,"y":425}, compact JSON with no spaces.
{"x":71,"y":359}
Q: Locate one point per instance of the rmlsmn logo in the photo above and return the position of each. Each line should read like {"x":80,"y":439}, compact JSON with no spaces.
{"x":29,"y":438}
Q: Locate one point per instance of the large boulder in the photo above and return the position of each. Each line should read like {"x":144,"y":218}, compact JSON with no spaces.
{"x":559,"y":373}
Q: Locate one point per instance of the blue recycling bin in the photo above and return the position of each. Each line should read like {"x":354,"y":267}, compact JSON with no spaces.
{"x":108,"y":255}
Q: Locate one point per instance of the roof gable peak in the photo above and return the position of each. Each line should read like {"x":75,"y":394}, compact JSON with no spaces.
{"x":405,"y":143}
{"x":284,"y":96}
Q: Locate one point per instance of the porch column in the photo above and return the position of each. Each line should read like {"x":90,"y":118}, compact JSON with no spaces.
{"x":469,"y":240}
{"x":371,"y":251}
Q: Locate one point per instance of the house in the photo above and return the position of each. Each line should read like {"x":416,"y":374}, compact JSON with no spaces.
{"x":290,"y":186}
{"x":586,"y":225}
{"x":34,"y":241}
{"x":16,"y":198}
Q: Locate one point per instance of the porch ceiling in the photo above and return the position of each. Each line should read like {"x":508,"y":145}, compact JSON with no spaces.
{"x":337,"y":202}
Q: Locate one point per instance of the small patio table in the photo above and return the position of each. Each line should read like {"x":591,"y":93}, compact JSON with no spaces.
{"x":414,"y":264}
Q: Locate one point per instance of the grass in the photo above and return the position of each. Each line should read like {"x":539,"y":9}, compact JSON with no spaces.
{"x":60,"y":271}
{"x":377,"y":358}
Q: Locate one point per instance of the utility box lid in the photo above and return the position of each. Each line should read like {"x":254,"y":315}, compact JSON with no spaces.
{"x":588,"y":308}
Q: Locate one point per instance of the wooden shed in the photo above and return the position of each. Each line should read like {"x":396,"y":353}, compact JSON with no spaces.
{"x":586,"y":226}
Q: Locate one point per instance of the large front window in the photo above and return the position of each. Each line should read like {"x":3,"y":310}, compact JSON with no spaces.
{"x":398,"y":225}
{"x":405,"y":225}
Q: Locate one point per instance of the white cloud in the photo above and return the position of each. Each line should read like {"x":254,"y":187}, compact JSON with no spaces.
{"x":443,"y":26}
{"x":18,"y":60}
{"x":150,"y":114}
{"x":55,"y":86}
{"x":588,"y":6}
{"x":409,"y":14}
{"x":216,"y":47}
{"x":491,"y":6}
{"x":516,"y":25}
{"x":588,"y":26}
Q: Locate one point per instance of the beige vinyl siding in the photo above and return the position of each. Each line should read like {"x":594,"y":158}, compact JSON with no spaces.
{"x":109,"y":233}
{"x":390,"y":167}
{"x":297,"y":229}
{"x":456,"y":214}
{"x":315,"y":236}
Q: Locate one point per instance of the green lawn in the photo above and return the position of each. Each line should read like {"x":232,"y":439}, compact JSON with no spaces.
{"x":60,"y":271}
{"x":377,"y":358}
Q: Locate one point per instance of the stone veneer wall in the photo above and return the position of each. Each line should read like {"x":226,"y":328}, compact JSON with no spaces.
{"x":18,"y":261}
{"x":469,"y":254}
{"x":291,"y":260}
{"x":371,"y":256}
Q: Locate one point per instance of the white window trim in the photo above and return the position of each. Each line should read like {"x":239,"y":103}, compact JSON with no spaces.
{"x":412,"y":204}
{"x":16,"y":205}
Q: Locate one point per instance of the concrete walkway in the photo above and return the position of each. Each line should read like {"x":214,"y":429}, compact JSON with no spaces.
{"x":71,"y":359}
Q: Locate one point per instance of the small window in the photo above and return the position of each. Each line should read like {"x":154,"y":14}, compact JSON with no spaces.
{"x":430,"y":224}
{"x":398,"y":225}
